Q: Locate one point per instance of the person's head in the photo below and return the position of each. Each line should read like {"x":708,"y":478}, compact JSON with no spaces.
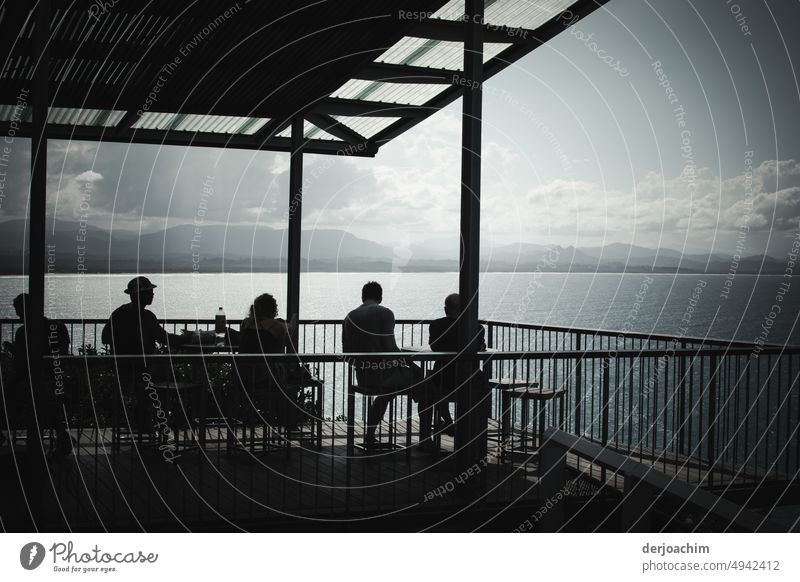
{"x":141,"y":290}
{"x":372,"y":291}
{"x":20,"y":303}
{"x":452,"y":305}
{"x":264,"y":307}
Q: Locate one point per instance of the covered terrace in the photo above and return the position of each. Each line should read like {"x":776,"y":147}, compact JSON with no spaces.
{"x":345,"y":79}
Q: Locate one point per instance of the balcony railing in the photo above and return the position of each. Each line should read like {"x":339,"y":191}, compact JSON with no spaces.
{"x":708,"y":412}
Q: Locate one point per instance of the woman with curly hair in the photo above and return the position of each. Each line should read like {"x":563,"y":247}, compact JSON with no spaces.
{"x":263,"y":332}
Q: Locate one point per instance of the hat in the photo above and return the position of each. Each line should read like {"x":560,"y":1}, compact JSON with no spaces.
{"x":138,"y":285}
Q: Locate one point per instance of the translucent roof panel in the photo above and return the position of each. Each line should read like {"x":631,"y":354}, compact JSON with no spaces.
{"x":220,"y":124}
{"x":438,"y":54}
{"x":512,"y":13}
{"x":309,"y":131}
{"x":405,"y":93}
{"x":65,"y":116}
{"x":366,"y":126}
{"x":16,"y":113}
{"x":150,"y":120}
{"x":200,"y":123}
{"x":96,"y":117}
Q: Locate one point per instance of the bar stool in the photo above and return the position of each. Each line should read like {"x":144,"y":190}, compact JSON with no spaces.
{"x":369,"y":393}
{"x":533,"y":400}
{"x":503,"y":386}
{"x":317,"y":398}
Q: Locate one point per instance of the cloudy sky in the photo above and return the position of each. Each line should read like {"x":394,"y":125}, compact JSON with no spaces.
{"x":652,"y":122}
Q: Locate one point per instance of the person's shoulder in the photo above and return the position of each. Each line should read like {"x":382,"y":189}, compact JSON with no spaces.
{"x":382,"y":309}
{"x":124,"y":308}
{"x":442,"y":323}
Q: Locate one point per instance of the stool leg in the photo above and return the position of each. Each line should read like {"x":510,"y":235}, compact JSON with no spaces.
{"x":351,"y":428}
{"x":505,"y":418}
{"x":526,"y":420}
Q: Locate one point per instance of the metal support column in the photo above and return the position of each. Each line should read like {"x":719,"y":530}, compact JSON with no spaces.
{"x":468,"y":429}
{"x":295,"y":223}
{"x":34,"y":325}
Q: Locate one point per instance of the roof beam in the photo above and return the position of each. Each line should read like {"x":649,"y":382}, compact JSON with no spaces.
{"x":193,"y":139}
{"x":270,"y":129}
{"x":358,"y":108}
{"x":391,"y":73}
{"x":127,"y":121}
{"x":336,"y":128}
{"x":543,"y":34}
{"x":453,"y":31}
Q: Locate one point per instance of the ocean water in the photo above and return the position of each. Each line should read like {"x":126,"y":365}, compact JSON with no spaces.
{"x":744,"y":308}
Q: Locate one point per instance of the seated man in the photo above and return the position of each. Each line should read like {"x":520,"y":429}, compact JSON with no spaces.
{"x":370,"y":328}
{"x":56,"y":343}
{"x":134,"y":330}
{"x":443,"y":337}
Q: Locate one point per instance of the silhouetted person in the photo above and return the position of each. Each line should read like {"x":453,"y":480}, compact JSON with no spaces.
{"x":132,"y":329}
{"x":263,"y":332}
{"x":443,"y":337}
{"x":370,"y":328}
{"x":56,"y":343}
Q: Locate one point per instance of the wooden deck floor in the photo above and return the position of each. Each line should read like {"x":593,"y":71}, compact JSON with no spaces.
{"x":219,"y":487}
{"x":216,"y":486}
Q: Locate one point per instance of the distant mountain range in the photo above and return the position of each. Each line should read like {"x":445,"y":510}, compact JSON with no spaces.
{"x":239,"y":248}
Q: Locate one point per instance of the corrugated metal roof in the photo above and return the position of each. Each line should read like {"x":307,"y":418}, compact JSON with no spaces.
{"x":229,"y":70}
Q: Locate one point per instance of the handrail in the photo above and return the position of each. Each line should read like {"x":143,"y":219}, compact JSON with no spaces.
{"x":618,"y":333}
{"x":488,"y":322}
{"x":647,"y":480}
{"x":439,"y":356}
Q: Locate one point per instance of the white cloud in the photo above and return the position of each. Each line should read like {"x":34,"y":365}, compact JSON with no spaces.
{"x":89,"y":176}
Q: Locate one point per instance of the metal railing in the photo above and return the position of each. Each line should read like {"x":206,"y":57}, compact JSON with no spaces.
{"x":711,"y":412}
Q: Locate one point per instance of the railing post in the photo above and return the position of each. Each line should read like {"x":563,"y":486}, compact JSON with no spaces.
{"x":682,"y":403}
{"x":552,"y":465}
{"x":578,"y":383}
{"x":712,"y":419}
{"x":606,"y":397}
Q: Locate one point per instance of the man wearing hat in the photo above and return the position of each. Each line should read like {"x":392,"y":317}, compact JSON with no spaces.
{"x":132,"y":328}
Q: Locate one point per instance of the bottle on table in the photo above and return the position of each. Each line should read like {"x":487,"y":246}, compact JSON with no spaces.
{"x":220,"y":326}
